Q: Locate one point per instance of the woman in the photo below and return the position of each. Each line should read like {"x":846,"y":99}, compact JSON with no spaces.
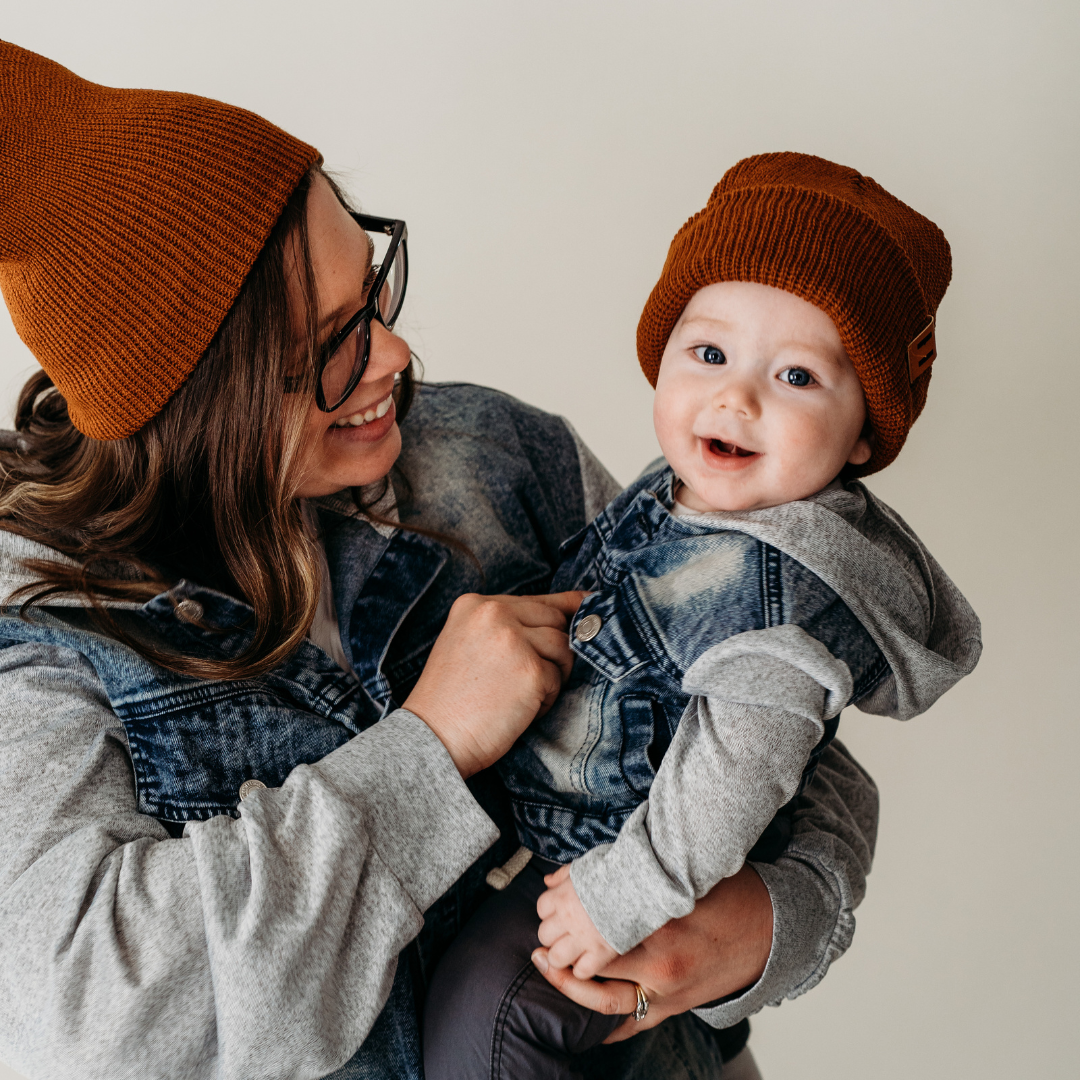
{"x":228,"y":559}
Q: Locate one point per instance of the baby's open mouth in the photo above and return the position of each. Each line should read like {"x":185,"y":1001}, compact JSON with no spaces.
{"x":731,"y":449}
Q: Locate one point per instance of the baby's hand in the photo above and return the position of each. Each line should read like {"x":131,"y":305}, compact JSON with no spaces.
{"x":567,"y":930}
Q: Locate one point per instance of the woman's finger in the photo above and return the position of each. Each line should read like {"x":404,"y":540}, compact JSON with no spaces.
{"x":614,"y":996}
{"x":554,"y":609}
{"x":552,"y":645}
{"x":551,"y":682}
{"x":631,"y":1027}
{"x":566,"y":602}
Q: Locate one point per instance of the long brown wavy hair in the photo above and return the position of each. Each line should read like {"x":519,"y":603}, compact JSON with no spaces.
{"x":205,"y":491}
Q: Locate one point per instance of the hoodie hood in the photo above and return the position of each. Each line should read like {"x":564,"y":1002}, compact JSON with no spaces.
{"x":15,"y":550}
{"x":863,"y":550}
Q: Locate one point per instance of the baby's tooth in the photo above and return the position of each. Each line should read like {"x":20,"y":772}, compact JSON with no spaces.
{"x":383,"y":407}
{"x":369,"y":416}
{"x":356,"y":420}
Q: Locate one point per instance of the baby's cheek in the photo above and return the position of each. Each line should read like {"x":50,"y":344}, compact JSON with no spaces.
{"x":673,"y":429}
{"x":814,"y":457}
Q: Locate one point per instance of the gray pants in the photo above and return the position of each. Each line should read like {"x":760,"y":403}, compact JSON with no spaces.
{"x":490,"y":1015}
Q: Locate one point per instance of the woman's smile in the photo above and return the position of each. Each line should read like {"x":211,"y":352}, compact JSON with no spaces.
{"x":358,"y":428}
{"x":366,"y":418}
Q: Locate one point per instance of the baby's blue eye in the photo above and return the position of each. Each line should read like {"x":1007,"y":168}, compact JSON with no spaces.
{"x":796,"y":376}
{"x":710,"y":354}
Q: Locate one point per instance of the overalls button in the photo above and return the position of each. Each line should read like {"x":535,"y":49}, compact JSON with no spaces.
{"x":588,"y":628}
{"x":248,"y":786}
{"x":189,"y":611}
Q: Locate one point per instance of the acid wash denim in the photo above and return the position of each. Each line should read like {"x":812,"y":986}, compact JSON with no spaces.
{"x":724,"y":646}
{"x":663,"y":591}
{"x":154,"y":926}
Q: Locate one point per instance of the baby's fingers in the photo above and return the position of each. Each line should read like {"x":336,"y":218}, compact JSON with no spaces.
{"x":556,"y":877}
{"x":564,"y":952}
{"x":586,"y":966}
{"x":551,"y":929}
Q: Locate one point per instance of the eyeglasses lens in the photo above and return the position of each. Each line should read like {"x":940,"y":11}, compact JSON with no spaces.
{"x":393,"y":291}
{"x":347,"y":359}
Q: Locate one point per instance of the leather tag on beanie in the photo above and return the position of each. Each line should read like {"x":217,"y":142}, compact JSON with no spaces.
{"x":922,"y":351}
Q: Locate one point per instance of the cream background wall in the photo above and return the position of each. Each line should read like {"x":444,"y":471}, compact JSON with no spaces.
{"x":543,"y":156}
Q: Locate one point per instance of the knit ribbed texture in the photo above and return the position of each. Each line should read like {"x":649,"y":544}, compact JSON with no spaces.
{"x":833,"y":237}
{"x":129,"y":220}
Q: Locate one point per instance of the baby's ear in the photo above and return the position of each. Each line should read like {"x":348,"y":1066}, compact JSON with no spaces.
{"x":864,"y":446}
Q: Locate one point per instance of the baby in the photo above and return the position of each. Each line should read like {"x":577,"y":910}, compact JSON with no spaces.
{"x":740,"y":596}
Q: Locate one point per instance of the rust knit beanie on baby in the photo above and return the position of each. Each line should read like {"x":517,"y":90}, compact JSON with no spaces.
{"x":837,"y":239}
{"x":129,"y":220}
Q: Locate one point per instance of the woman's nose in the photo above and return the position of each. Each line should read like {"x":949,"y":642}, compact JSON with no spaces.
{"x":388,"y":353}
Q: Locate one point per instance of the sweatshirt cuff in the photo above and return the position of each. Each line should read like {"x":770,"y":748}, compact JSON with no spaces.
{"x":810,"y":930}
{"x":411,"y":801}
{"x":623,"y":888}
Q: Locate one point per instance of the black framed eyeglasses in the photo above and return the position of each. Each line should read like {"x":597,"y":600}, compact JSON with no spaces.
{"x":343,"y":359}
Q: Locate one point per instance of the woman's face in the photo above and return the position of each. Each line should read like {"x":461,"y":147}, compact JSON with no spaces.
{"x":339,"y":453}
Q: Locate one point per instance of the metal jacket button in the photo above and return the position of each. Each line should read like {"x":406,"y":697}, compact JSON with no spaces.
{"x":248,"y":786}
{"x":189,"y":611}
{"x":588,"y":628}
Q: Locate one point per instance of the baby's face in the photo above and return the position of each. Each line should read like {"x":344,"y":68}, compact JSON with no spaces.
{"x":757,"y":403}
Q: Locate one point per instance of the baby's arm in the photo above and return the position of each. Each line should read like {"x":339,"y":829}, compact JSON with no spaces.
{"x":761,"y":701}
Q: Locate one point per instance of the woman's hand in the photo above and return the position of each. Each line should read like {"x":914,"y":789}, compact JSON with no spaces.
{"x":718,"y":949}
{"x":499,"y":662}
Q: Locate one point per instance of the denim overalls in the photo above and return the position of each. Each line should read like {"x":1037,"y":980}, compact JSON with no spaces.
{"x":499,"y":475}
{"x":663,"y":591}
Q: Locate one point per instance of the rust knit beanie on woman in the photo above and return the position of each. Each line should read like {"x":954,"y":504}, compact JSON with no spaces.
{"x":129,"y":220}
{"x":837,"y":239}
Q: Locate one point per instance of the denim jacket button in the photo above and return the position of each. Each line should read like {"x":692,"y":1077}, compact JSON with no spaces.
{"x":248,"y":786}
{"x":189,"y":611}
{"x":588,"y":628}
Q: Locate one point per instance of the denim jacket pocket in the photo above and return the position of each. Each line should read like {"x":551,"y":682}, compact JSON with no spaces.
{"x":192,"y":753}
{"x":604,"y":634}
{"x":645,"y":739}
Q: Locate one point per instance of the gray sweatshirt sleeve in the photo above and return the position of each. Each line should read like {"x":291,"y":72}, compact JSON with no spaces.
{"x":263,"y":946}
{"x":737,"y":757}
{"x":815,"y":886}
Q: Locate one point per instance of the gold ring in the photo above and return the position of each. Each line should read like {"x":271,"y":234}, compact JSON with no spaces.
{"x":642,"y":1003}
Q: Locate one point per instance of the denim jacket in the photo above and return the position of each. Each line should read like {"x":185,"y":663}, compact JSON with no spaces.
{"x":262,"y":940}
{"x":688,"y":616}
